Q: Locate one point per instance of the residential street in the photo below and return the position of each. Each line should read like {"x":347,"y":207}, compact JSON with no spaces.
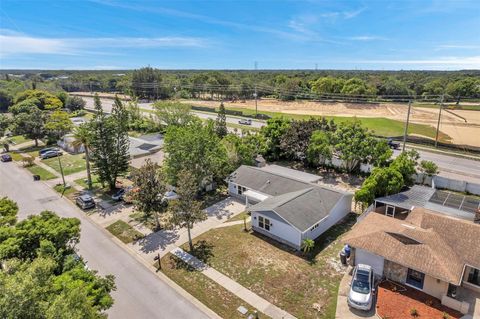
{"x":140,"y":293}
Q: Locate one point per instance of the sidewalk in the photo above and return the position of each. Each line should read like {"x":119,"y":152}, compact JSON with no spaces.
{"x":243,"y":293}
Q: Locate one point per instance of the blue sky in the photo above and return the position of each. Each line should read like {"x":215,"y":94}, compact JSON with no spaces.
{"x":232,"y":34}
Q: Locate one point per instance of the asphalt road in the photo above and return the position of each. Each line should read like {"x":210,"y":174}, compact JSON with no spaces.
{"x":140,"y":293}
{"x":450,"y":166}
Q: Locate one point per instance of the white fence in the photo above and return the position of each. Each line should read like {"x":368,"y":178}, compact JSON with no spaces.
{"x":337,"y":162}
{"x":440,"y":182}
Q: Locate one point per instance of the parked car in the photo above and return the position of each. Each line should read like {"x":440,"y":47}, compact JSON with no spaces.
{"x":48,"y":149}
{"x":50,"y":154}
{"x":393,"y":144}
{"x":6,"y":158}
{"x":118,"y":196}
{"x":85,"y":201}
{"x":245,"y":122}
{"x":362,"y":288}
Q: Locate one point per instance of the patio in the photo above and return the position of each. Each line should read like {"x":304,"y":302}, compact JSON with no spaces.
{"x":395,"y":301}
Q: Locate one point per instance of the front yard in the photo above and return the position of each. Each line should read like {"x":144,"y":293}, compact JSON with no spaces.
{"x":70,"y":163}
{"x":43,"y":173}
{"x":124,"y":232}
{"x":304,"y":287}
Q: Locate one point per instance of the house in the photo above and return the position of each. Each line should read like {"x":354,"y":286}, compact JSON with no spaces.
{"x":443,"y":202}
{"x":67,"y":142}
{"x":429,"y":251}
{"x":286,"y":204}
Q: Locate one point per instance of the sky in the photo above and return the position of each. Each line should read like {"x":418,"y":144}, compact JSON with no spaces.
{"x":234,"y":34}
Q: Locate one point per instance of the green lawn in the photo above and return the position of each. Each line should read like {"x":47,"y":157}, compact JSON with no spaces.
{"x":18,"y":139}
{"x":16,"y":156}
{"x":124,"y":231}
{"x":96,"y":185}
{"x":43,"y":173}
{"x":208,"y":292}
{"x":70,"y":163}
{"x":67,"y":192}
{"x":277,"y":273}
{"x":380,"y":126}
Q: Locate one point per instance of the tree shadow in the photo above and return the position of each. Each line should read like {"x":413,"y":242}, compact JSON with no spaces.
{"x":158,"y":240}
{"x":203,"y":250}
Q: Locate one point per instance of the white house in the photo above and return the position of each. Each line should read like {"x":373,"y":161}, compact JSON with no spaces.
{"x":286,"y":208}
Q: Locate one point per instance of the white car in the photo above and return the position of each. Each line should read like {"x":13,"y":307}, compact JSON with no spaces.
{"x":362,"y":288}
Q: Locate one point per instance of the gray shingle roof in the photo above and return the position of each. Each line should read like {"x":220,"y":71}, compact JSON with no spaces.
{"x":300,"y":203}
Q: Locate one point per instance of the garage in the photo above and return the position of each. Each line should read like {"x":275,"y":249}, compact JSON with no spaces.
{"x":367,"y":258}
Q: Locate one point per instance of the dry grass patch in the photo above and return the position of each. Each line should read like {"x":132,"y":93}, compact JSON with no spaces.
{"x":305,"y":287}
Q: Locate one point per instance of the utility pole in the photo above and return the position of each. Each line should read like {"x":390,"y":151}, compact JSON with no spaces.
{"x":438,"y":123}
{"x":406,"y":125}
{"x":255,"y":94}
{"x":61,"y":170}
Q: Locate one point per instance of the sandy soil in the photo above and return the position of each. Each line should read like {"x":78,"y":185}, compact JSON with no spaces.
{"x":462,"y":133}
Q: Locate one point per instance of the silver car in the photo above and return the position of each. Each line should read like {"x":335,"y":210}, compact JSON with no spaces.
{"x":362,"y":288}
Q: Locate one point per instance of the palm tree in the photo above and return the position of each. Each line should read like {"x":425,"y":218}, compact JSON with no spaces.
{"x":307,"y":245}
{"x":82,"y":135}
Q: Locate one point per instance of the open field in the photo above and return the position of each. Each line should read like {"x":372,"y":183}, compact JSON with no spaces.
{"x":306,"y":287}
{"x":386,"y":119}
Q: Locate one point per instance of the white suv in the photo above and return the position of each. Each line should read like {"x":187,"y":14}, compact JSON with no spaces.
{"x":362,"y":288}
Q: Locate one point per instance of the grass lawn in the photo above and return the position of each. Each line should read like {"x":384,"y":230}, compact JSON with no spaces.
{"x":18,"y":139}
{"x":96,"y":185}
{"x":208,"y":292}
{"x":67,"y":192}
{"x":32,"y":150}
{"x":277,"y":273}
{"x":124,"y":231}
{"x":71,"y":163}
{"x":238,"y":217}
{"x":44,"y":174}
{"x":16,"y":156}
{"x":381,"y":126}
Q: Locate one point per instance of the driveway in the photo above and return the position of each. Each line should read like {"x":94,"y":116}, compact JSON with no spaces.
{"x":343,"y":310}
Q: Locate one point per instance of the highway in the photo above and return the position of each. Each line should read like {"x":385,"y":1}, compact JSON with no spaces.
{"x":140,"y":293}
{"x":450,"y":166}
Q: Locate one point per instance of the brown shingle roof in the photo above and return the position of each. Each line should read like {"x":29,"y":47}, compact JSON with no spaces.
{"x":426,"y":241}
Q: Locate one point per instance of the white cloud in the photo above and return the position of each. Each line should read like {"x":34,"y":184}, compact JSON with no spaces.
{"x":15,"y":43}
{"x":457,"y":46}
{"x":366,"y":38}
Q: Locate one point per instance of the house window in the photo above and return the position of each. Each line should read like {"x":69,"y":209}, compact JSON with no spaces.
{"x":315,"y":227}
{"x":241,"y":190}
{"x":415,"y":278}
{"x":474,"y":276}
{"x":264,"y":223}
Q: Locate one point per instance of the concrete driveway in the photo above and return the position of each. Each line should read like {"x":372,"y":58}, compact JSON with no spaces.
{"x":343,"y":310}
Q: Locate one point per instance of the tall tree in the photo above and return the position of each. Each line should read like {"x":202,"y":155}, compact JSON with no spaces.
{"x":121,"y":141}
{"x":75,"y":103}
{"x":151,"y":186}
{"x":273,"y":132}
{"x":31,"y":124}
{"x":406,"y":164}
{"x":383,"y":181}
{"x":83,"y":137}
{"x":221,"y":122}
{"x":186,"y":210}
{"x":320,"y":148}
{"x":58,"y":124}
{"x":173,"y":113}
{"x":8,"y":212}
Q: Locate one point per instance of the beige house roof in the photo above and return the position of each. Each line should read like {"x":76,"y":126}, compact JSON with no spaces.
{"x":437,"y":245}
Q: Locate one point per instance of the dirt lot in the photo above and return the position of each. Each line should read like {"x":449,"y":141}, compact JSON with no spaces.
{"x":452,"y":123}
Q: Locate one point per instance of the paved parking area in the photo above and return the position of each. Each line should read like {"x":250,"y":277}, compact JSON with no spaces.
{"x":343,"y":310}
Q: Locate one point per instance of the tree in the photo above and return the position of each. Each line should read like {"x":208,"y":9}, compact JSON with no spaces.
{"x":173,"y":113}
{"x":187,"y":210}
{"x":406,"y":164}
{"x":197,"y":148}
{"x":393,"y":86}
{"x":294,"y":141}
{"x":273,"y":132}
{"x":146,"y":83}
{"x":327,"y":85}
{"x":221,"y":122}
{"x":468,"y":87}
{"x":109,"y":143}
{"x":428,"y":168}
{"x":44,"y":100}
{"x":354,"y":144}
{"x":243,"y":150}
{"x":383,"y":181}
{"x":75,"y":103}
{"x":151,"y":186}
{"x":31,"y":124}
{"x":24,"y":106}
{"x":381,"y":153}
{"x":83,"y":137}
{"x":356,"y":86}
{"x":320,"y":148}
{"x":5,"y":123}
{"x":6,"y":100}
{"x":58,"y":124}
{"x":8,"y":212}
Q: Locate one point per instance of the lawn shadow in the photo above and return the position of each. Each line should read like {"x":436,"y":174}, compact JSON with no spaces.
{"x":203,"y":250}
{"x":158,"y":240}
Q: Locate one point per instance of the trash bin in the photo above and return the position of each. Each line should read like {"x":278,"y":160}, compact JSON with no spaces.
{"x":343,"y":258}
{"x":36,"y":177}
{"x":347,"y":250}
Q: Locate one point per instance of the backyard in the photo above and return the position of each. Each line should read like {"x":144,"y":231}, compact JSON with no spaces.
{"x":304,"y":286}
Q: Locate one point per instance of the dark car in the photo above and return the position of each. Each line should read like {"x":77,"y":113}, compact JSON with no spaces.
{"x":393,"y":144}
{"x":48,"y":149}
{"x":85,"y":201}
{"x":6,"y":158}
{"x":50,"y":154}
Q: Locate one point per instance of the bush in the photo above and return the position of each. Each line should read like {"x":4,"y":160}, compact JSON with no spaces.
{"x":414,"y":312}
{"x":28,"y":161}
